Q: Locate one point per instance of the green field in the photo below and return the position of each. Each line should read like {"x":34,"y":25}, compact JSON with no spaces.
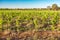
{"x":29,"y":25}
{"x":23,"y":20}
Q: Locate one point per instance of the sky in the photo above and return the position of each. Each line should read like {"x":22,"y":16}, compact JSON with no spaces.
{"x":27,"y":3}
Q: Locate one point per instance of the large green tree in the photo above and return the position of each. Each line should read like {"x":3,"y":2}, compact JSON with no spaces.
{"x":54,"y":7}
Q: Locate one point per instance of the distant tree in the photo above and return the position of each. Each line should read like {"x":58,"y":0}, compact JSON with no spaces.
{"x":48,"y":7}
{"x":54,"y":7}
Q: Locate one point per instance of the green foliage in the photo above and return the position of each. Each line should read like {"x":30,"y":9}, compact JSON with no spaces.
{"x":28,"y":19}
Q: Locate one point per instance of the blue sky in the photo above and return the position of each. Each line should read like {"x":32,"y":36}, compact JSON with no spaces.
{"x":27,"y":3}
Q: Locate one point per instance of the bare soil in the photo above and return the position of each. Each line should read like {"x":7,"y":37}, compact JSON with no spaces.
{"x":30,"y":35}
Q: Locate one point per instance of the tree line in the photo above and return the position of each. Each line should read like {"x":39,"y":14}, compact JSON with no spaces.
{"x":53,"y":7}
